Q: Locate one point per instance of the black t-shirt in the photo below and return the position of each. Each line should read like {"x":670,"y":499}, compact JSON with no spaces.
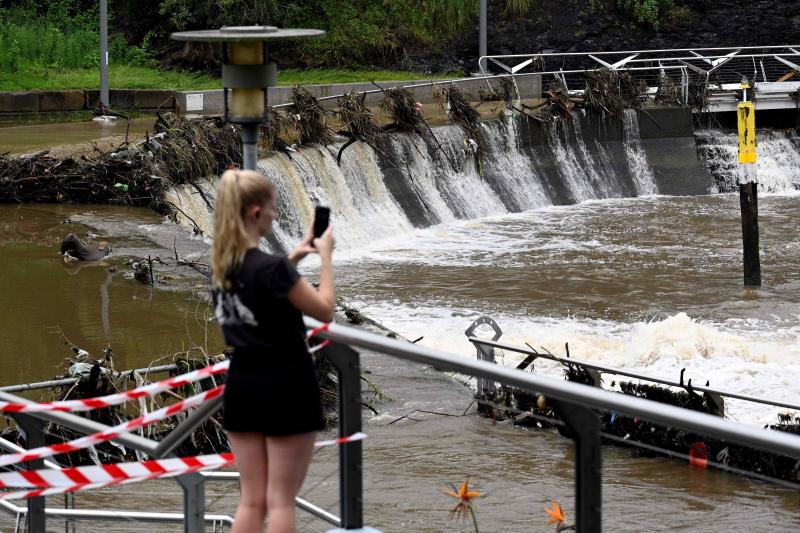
{"x":255,"y":312}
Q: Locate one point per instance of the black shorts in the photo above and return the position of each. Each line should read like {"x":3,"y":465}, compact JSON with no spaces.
{"x":276,"y":394}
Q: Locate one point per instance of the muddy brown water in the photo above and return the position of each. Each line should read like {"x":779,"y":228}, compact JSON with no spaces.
{"x":410,"y":455}
{"x":30,"y":138}
{"x":91,"y":305}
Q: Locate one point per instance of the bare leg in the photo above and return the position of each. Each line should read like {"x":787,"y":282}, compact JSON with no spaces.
{"x":251,"y":461}
{"x":289,"y":458}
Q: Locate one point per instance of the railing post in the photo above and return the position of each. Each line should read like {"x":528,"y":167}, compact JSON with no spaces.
{"x":485,"y":353}
{"x":346,"y":361}
{"x":34,"y":438}
{"x":584,"y":425}
{"x":194,"y":502}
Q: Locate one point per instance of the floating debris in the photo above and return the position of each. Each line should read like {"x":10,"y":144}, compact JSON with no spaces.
{"x":646,"y":438}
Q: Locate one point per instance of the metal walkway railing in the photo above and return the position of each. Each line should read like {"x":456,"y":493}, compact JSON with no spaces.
{"x":575,"y":404}
{"x":719,"y":70}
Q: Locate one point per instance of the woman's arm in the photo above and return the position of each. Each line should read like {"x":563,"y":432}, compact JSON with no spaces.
{"x":318,"y":303}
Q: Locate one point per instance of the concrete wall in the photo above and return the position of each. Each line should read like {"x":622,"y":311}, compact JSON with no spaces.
{"x":211,"y":102}
{"x":15,"y":104}
{"x":666,"y":136}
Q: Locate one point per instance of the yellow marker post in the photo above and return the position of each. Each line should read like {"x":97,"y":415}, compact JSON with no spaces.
{"x":747,"y":132}
{"x":748,"y":188}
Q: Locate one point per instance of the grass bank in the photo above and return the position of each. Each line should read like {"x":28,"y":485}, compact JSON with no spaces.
{"x":146,"y":77}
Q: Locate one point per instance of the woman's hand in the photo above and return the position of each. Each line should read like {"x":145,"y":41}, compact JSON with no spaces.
{"x":305,"y":247}
{"x":324,"y":245}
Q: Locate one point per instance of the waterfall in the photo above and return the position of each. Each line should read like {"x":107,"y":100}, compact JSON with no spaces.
{"x":640,"y":169}
{"x":408,"y":182}
{"x":777,"y":166}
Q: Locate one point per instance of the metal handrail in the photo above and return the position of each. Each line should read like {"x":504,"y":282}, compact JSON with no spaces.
{"x":620,"y":372}
{"x":654,"y":51}
{"x":573,"y":393}
{"x":70,"y":381}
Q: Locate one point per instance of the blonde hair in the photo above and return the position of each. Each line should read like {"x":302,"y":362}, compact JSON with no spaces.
{"x":237,"y":191}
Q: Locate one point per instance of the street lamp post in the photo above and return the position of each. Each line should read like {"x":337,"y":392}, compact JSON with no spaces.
{"x":246,"y":74}
{"x":104,"y":52}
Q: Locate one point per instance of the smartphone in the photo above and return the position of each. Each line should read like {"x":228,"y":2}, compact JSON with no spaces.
{"x":322,"y":217}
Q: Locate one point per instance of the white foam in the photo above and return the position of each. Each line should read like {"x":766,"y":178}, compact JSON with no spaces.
{"x":755,"y":359}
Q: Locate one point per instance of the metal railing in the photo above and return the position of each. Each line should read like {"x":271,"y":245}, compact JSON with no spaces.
{"x":575,"y":404}
{"x":718,"y":70}
{"x":605,"y":369}
{"x":765,"y":62}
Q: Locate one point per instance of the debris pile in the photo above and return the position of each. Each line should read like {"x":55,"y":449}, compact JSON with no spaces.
{"x":502,"y":93}
{"x":399,"y":105}
{"x":180,"y":151}
{"x":611,"y":92}
{"x":668,"y":92}
{"x":309,"y":117}
{"x":357,"y":121}
{"x":463,"y":114}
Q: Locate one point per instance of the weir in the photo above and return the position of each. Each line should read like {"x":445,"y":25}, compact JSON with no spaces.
{"x":408,"y":182}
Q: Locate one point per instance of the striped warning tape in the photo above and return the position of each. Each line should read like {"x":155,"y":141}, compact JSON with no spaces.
{"x":112,"y":432}
{"x":131,"y":425}
{"x":89,"y":404}
{"x":152,"y":389}
{"x":46,"y":482}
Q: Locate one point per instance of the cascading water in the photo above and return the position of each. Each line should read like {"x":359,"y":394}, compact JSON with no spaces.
{"x":409,"y":182}
{"x":637,"y":159}
{"x":778,"y":164}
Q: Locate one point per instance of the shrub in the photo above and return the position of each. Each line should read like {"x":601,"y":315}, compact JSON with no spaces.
{"x":647,"y":12}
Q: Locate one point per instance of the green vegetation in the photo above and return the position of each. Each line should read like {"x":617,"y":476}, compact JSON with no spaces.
{"x":650,"y":13}
{"x":133,"y":77}
{"x":55,"y":45}
{"x":120,"y":76}
{"x":47,"y":44}
{"x":59,"y":40}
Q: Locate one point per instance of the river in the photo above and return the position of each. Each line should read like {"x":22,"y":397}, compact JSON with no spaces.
{"x":652,"y":283}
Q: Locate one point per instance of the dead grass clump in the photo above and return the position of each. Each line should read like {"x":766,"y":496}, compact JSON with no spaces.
{"x":503,"y":92}
{"x":463,"y":114}
{"x":668,"y":92}
{"x":310,"y":117}
{"x":610,"y":92}
{"x":399,"y":105}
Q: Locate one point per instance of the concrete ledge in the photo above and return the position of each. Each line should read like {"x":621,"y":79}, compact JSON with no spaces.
{"x":153,"y":99}
{"x":61,"y":100}
{"x":19,"y":102}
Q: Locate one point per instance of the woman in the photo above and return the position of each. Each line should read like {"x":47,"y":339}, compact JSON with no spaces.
{"x":272,"y":406}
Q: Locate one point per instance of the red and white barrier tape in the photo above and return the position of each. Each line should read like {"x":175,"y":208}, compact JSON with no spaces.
{"x":89,"y":404}
{"x":314,"y":332}
{"x":152,"y":389}
{"x":49,"y":482}
{"x":46,"y":482}
{"x":113,"y":432}
{"x":115,"y":399}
